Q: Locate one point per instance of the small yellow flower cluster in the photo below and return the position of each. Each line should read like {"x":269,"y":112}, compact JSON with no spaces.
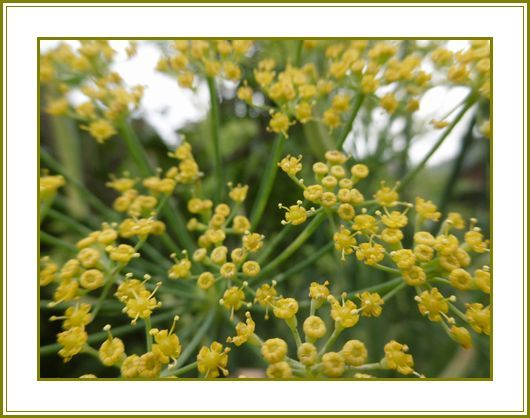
{"x":48,"y":186}
{"x":86,"y":70}
{"x":208,"y":58}
{"x":374,"y":231}
{"x":317,"y":360}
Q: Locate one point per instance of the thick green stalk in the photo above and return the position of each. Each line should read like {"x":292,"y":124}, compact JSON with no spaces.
{"x":68,"y":148}
{"x":394,"y":291}
{"x":349,"y":123}
{"x":267,"y":181}
{"x":214,"y":125}
{"x":49,"y":239}
{"x":470,"y":101}
{"x":295,"y":245}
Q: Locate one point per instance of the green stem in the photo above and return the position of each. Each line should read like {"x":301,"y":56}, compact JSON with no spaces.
{"x":269,"y":248}
{"x":386,"y":268}
{"x":267,"y":182}
{"x":394,"y":291}
{"x":214,"y":124}
{"x":470,"y":101}
{"x":89,"y":196}
{"x":135,"y":149}
{"x":148,"y":336}
{"x":49,"y":239}
{"x":183,"y":370}
{"x":332,"y":338}
{"x":303,"y":264}
{"x":294,"y":330}
{"x":349,"y":123}
{"x":295,"y":245}
{"x":447,"y":194}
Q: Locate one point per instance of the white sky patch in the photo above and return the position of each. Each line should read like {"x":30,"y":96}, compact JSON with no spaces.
{"x":168,"y":108}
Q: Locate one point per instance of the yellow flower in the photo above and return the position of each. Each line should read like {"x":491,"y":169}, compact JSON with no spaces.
{"x":295,"y":214}
{"x":274,"y":350}
{"x":461,"y":279}
{"x":129,"y":367}
{"x":333,"y":364}
{"x":148,"y":366}
{"x":250,"y":268}
{"x":92,"y":279}
{"x":371,"y":304}
{"x":76,"y":316}
{"x":142,"y":304}
{"x":285,"y":308}
{"x":370,"y":253}
{"x":345,"y":314}
{"x":89,"y":257}
{"x":244,"y":330}
{"x":386,"y":196}
{"x":354,"y":353}
{"x":389,"y":103}
{"x":241,"y":224}
{"x":112,"y":351}
{"x":433,"y":304}
{"x":279,"y":123}
{"x":462,"y":336}
{"x":122,"y":254}
{"x":307,"y":354}
{"x":345,"y":241}
{"x":279,"y":370}
{"x":397,"y":359}
{"x":291,"y":165}
{"x":479,"y":317}
{"x":72,"y":341}
{"x":101,"y":130}
{"x":206,"y":280}
{"x":48,"y":186}
{"x":360,"y":171}
{"x":211,"y":361}
{"x":427,"y":210}
{"x":482,"y":280}
{"x":239,"y":193}
{"x":167,"y":344}
{"x":403,"y":258}
{"x":233,"y":299}
{"x":314,"y":328}
{"x":415,"y":276}
{"x":253,"y":242}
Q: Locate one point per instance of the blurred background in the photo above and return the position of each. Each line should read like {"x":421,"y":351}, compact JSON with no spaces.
{"x":456,"y":179}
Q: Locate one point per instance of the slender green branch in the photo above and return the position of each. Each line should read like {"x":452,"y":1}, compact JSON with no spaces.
{"x":349,"y":123}
{"x":267,"y":181}
{"x":214,"y":124}
{"x":270,"y":247}
{"x":303,"y":264}
{"x":45,"y":237}
{"x":470,"y":101}
{"x":183,"y":370}
{"x":295,"y":245}
{"x":332,"y":338}
{"x":148,"y":336}
{"x":394,"y":291}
